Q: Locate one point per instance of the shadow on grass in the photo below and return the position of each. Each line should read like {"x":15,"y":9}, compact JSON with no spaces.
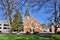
{"x":34,"y":37}
{"x":50,"y":36}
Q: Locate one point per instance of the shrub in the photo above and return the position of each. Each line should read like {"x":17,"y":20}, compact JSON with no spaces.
{"x":58,"y":32}
{"x":36,"y":33}
{"x":28,"y":33}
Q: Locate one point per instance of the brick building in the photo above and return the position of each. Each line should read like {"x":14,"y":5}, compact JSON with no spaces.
{"x":31,"y":24}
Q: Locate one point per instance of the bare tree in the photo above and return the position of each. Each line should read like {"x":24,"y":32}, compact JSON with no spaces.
{"x":9,"y":5}
{"x":55,"y":17}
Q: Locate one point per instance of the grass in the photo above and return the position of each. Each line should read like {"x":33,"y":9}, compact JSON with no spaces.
{"x":28,"y":37}
{"x":4,"y":37}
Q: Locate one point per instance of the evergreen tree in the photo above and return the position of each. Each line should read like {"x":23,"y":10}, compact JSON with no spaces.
{"x":17,"y":23}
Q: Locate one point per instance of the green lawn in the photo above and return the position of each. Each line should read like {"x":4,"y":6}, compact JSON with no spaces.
{"x":27,"y":37}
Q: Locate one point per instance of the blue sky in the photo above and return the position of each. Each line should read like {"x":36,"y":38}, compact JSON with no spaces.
{"x":40,"y":15}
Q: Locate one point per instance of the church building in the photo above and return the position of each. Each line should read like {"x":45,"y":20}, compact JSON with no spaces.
{"x":31,"y":24}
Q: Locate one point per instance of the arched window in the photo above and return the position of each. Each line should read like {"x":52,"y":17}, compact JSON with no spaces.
{"x":32,"y":25}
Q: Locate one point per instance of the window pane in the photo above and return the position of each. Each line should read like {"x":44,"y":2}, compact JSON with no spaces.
{"x":32,"y":24}
{"x":0,"y":31}
{"x":5,"y":28}
{"x":0,"y":27}
{"x":0,"y":24}
{"x":6,"y":24}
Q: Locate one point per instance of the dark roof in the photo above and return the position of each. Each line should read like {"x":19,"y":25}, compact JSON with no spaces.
{"x":27,"y":11}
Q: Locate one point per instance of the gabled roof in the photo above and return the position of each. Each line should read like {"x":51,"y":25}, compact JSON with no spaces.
{"x":35,"y":20}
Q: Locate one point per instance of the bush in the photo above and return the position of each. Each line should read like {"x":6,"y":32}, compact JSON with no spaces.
{"x":58,"y":32}
{"x":36,"y":33}
{"x":28,"y":33}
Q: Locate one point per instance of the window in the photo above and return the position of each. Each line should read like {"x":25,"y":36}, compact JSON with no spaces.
{"x":15,"y":30}
{"x":0,"y":24}
{"x":0,"y":31}
{"x":5,"y":28}
{"x":0,"y":27}
{"x":6,"y":24}
{"x":32,"y":24}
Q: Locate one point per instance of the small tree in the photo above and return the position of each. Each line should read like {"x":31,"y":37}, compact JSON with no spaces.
{"x":17,"y":22}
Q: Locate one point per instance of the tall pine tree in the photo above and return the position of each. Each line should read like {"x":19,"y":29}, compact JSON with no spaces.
{"x":17,"y":24}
